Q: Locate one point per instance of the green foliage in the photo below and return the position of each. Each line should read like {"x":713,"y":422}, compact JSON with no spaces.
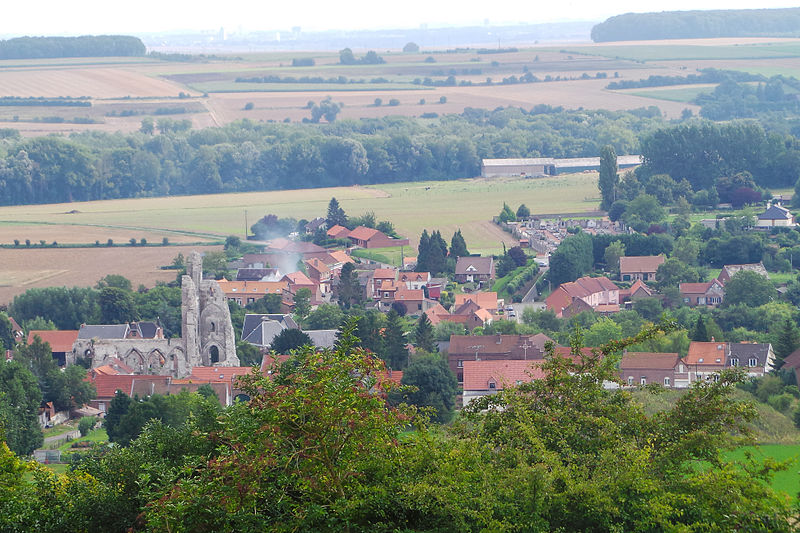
{"x":348,"y":290}
{"x":302,"y":302}
{"x":423,"y":335}
{"x":572,"y":259}
{"x":748,"y":288}
{"x":20,"y":397}
{"x":432,"y":253}
{"x":290,"y":340}
{"x":523,"y":212}
{"x":117,"y":306}
{"x":507,"y":215}
{"x":458,"y":246}
{"x":786,"y":341}
{"x":85,"y":425}
{"x":394,"y":342}
{"x":127,"y":417}
{"x":67,"y":308}
{"x":430,"y":384}
{"x":643,"y":211}
{"x":609,"y":179}
{"x":326,"y":316}
{"x":443,"y":330}
{"x":268,"y":304}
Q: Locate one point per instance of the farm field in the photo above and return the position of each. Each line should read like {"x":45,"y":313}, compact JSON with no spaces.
{"x":211,"y":96}
{"x":468,"y":204}
{"x":22,"y":269}
{"x":675,"y":94}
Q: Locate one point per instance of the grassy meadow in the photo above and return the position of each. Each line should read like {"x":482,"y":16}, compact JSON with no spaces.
{"x":679,"y":94}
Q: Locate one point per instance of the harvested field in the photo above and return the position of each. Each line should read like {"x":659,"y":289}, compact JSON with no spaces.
{"x":99,"y":82}
{"x":83,"y":234}
{"x":22,"y":269}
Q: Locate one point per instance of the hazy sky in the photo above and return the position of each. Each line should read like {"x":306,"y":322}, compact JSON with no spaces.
{"x":60,"y":17}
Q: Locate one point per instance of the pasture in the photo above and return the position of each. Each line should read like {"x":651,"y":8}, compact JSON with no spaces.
{"x":684,"y":94}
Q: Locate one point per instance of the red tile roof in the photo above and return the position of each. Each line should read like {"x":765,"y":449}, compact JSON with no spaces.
{"x":648,"y":361}
{"x":107,"y":385}
{"x":486,"y":300}
{"x":707,"y":353}
{"x":219,"y":373}
{"x":363,"y":233}
{"x":384,"y":273}
{"x":640,"y":264}
{"x":59,"y":340}
{"x":338,"y":231}
{"x":503,"y":373}
{"x":695,"y":288}
{"x":298,"y":278}
{"x":403,"y":295}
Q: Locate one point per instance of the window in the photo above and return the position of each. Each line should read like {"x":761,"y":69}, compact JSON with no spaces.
{"x":492,"y":385}
{"x":700,"y":360}
{"x":752,"y":362}
{"x":681,"y":368}
{"x":630,"y":380}
{"x":643,"y":380}
{"x":460,"y":363}
{"x":666,"y":382}
{"x":734,"y":361}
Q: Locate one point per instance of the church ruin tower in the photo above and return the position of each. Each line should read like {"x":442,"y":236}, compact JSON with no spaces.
{"x":207,"y":330}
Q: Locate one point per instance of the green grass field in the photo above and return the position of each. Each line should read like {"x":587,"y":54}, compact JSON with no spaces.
{"x":682,"y":94}
{"x":467,"y":204}
{"x":787,"y":481}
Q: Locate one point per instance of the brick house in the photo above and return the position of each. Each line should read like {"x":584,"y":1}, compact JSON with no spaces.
{"x":706,"y":359}
{"x":492,"y":348}
{"x":639,"y":267}
{"x":245,"y":292}
{"x":710,"y":293}
{"x":60,"y":341}
{"x":484,"y":300}
{"x":372,"y":238}
{"x":642,"y":368}
{"x":756,"y":358}
{"x":582,"y":294}
{"x":474,"y":269}
{"x":482,"y":378}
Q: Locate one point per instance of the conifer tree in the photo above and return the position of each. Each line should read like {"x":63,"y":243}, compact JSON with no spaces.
{"x":788,"y":340}
{"x":700,"y":333}
{"x":423,"y":334}
{"x":394,"y":342}
{"x":424,"y":252}
{"x":458,"y":246}
{"x":609,"y":179}
{"x":336,"y":215}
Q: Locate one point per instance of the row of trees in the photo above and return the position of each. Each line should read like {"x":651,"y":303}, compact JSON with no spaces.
{"x":247,"y":156}
{"x":84,"y":46}
{"x":698,"y":24}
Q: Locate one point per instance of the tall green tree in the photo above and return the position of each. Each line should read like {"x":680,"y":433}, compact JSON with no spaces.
{"x":609,"y":178}
{"x":335,"y":215}
{"x":394,"y":342}
{"x":458,"y":246}
{"x":424,"y":338}
{"x":20,"y":398}
{"x":786,"y":341}
{"x":290,"y":340}
{"x":117,"y":306}
{"x":348,"y":289}
{"x":433,"y":385}
{"x":699,"y":332}
{"x":302,"y":302}
{"x":748,"y":288}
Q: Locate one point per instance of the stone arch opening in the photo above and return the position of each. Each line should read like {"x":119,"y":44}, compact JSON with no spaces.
{"x":214,"y":353}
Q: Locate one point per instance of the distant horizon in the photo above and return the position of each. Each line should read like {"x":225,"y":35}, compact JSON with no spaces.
{"x":93,"y":17}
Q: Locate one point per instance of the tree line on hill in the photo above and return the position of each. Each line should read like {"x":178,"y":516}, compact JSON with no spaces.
{"x":244,"y":156}
{"x":84,"y":46}
{"x":699,"y":25}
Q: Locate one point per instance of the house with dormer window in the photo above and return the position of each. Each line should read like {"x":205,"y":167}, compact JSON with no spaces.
{"x":474,"y":269}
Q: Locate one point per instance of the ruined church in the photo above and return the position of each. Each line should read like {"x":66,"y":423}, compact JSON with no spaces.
{"x":207,"y":334}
